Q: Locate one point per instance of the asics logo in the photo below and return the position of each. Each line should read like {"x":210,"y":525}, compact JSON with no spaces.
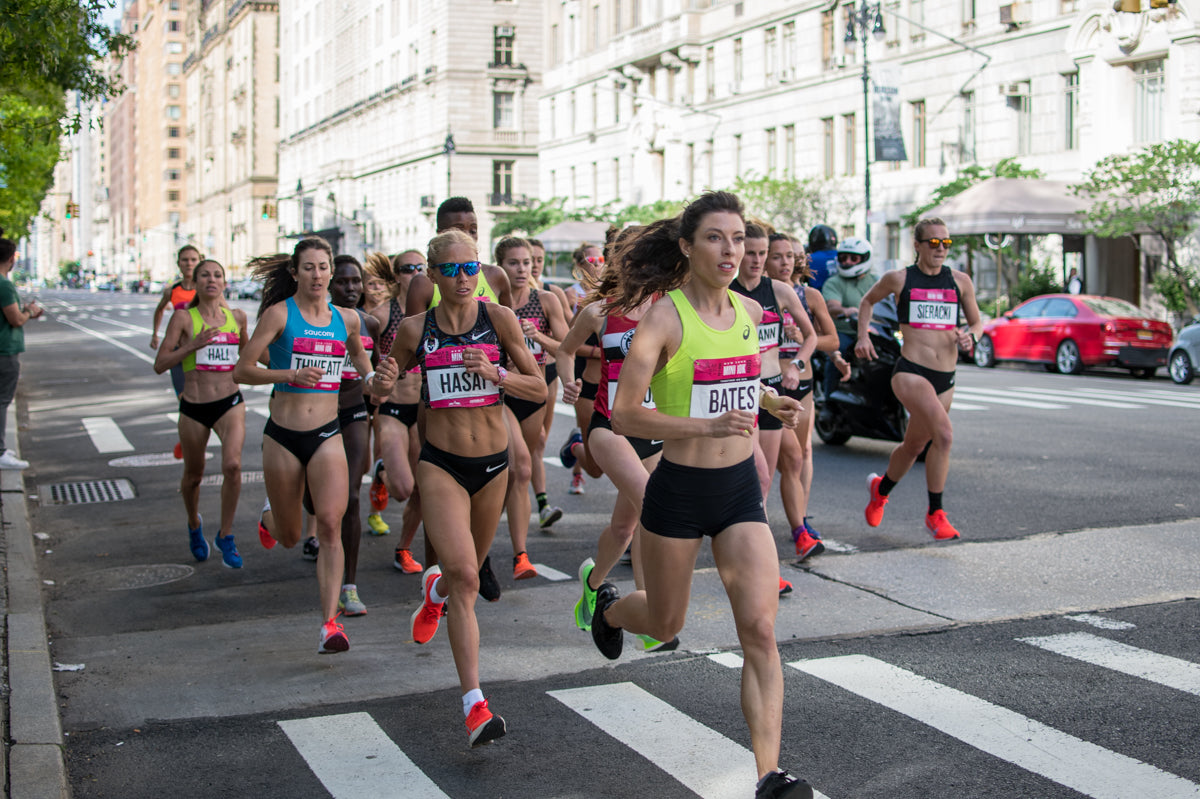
{"x":495,"y":467}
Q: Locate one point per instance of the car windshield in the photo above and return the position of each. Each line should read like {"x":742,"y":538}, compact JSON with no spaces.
{"x":1107,"y":306}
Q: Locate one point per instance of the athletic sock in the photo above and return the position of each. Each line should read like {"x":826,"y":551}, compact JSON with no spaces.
{"x":470,"y":698}
{"x":541,"y":501}
{"x":935,"y":501}
{"x":886,"y":485}
{"x":433,"y":591}
{"x":349,"y":587}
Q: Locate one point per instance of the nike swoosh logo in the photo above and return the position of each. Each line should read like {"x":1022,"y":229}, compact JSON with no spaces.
{"x":495,"y":467}
{"x":656,"y":441}
{"x":479,"y":335}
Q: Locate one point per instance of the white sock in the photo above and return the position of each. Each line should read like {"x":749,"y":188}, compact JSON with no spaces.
{"x":266,"y":505}
{"x":433,"y":592}
{"x":469,"y":700}
{"x":349,"y":587}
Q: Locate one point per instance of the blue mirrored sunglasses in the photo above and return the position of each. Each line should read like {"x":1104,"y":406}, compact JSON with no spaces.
{"x":452,"y":270}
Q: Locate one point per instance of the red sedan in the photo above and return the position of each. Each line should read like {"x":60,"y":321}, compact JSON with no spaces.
{"x":1070,"y":331}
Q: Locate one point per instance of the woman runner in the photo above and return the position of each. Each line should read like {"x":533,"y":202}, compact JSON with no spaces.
{"x":547,"y":514}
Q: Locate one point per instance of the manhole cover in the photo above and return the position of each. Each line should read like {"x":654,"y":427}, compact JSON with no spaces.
{"x":86,"y":491}
{"x":153,"y":459}
{"x":131,"y":578}
{"x":217,"y":479}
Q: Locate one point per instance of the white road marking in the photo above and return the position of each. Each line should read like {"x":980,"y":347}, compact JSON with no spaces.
{"x":1075,"y":397}
{"x":353,"y":758}
{"x":551,"y":574}
{"x":105,"y":434}
{"x":966,"y":406}
{"x":1005,"y":397}
{"x":730,"y":660}
{"x":1172,"y":672}
{"x":1147,"y":400}
{"x":108,"y":339}
{"x":1100,"y":621}
{"x":703,"y":760}
{"x":1065,"y":759}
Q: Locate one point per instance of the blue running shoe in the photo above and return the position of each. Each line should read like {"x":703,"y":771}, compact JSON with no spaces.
{"x":565,"y":454}
{"x":229,"y":554}
{"x":196,"y":538}
{"x":810,"y":529}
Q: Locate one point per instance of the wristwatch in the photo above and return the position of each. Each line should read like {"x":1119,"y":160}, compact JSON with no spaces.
{"x":799,"y":364}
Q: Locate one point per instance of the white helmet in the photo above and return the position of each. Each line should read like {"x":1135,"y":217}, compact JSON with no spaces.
{"x":855,"y":246}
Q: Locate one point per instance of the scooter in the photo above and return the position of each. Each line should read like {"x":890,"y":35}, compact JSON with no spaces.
{"x":864,"y":405}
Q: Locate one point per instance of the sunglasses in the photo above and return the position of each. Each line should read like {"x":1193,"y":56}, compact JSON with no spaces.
{"x":452,"y":270}
{"x":408,"y":269}
{"x":596,"y":260}
{"x":935,"y":243}
{"x":847,"y":256}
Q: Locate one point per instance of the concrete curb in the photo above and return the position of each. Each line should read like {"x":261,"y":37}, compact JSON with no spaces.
{"x":36,"y":765}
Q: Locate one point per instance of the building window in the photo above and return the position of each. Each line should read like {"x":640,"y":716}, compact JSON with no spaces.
{"x":553,"y":44}
{"x":789,"y":151}
{"x":595,"y":106}
{"x":173,"y":132}
{"x":502,"y":111}
{"x":710,"y":73}
{"x":571,"y":115}
{"x":616,"y":17}
{"x":550,"y":120}
{"x":1149,"y":87}
{"x":1068,"y":6}
{"x":827,"y":48}
{"x":849,"y":137}
{"x":893,"y":241}
{"x":787,"y":53}
{"x":918,"y":137}
{"x":968,"y":12}
{"x":1024,"y":108}
{"x":636,"y":8}
{"x":769,"y":56}
{"x":737,"y":155}
{"x":691,"y":169}
{"x":772,"y":155}
{"x":827,"y":146}
{"x":173,"y":196}
{"x":173,"y":152}
{"x":596,"y":27}
{"x":174,"y":26}
{"x":1071,"y":111}
{"x":616,"y":178}
{"x":174,"y":112}
{"x":553,"y":182}
{"x":174,"y":68}
{"x":502,"y":182}
{"x":172,"y":174}
{"x":173,"y":90}
{"x":737,"y":64}
{"x":595,"y":181}
{"x":175,"y":48}
{"x":504,"y":36}
{"x":966,"y":144}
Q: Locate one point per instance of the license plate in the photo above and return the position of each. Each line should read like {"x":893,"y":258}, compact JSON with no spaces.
{"x":1145,"y":334}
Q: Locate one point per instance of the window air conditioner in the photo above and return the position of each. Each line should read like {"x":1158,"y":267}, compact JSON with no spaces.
{"x":505,"y":31}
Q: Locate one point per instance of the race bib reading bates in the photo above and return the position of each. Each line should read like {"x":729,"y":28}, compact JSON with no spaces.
{"x":539,"y":354}
{"x":449,"y":383}
{"x":614,"y":371}
{"x":219,"y":355}
{"x":720,"y":385}
{"x":349,"y":373}
{"x":768,"y":331}
{"x":933,"y":309}
{"x":323,"y":354}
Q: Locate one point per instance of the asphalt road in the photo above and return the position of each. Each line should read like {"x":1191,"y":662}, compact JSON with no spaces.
{"x":188,"y":669}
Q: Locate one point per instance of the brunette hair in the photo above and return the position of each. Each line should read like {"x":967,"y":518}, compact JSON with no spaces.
{"x":7,"y":248}
{"x":925,"y":224}
{"x":187,"y":247}
{"x":511,"y":243}
{"x":195,"y":301}
{"x":277,"y":272}
{"x":755,"y":231}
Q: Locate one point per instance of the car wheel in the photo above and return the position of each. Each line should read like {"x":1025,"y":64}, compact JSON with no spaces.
{"x":1180,"y":368}
{"x":985,"y":353}
{"x":1067,"y":359}
{"x":1143,"y":373}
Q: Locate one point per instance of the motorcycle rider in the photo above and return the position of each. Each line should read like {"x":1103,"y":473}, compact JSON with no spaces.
{"x":822,"y":254}
{"x":843,"y":292}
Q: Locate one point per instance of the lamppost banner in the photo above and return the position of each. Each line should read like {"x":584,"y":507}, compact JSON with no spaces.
{"x":889,"y":141}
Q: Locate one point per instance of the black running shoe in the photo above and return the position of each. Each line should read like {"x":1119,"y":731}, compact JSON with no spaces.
{"x":489,"y":588}
{"x":310,"y":549}
{"x":781,"y":785}
{"x":609,"y":640}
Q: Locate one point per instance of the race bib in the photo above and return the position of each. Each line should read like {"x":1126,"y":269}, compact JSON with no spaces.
{"x":788,"y":346}
{"x":768,"y":331}
{"x":720,"y":385}
{"x":933,"y":309}
{"x":219,"y":355}
{"x":449,"y":383}
{"x":349,"y":373}
{"x":324,"y":354}
{"x":614,"y":371}
{"x":539,"y":354}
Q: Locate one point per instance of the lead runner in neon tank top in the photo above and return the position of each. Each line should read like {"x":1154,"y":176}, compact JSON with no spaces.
{"x":698,"y":348}
{"x":928,"y":297}
{"x":308,"y":340}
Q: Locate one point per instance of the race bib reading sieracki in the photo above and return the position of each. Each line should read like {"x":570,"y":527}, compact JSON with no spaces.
{"x":933,"y":309}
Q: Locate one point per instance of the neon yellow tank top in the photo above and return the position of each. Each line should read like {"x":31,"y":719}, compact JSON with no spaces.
{"x":714,"y":371}
{"x":483,"y":291}
{"x":221,"y":352}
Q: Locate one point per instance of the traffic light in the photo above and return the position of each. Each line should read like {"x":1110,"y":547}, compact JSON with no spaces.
{"x":72,"y":210}
{"x":268,"y":211}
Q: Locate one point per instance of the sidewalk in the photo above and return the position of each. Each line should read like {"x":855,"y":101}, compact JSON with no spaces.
{"x":33,"y":764}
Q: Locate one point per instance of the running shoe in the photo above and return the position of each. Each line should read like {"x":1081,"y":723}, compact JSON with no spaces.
{"x":425,"y":619}
{"x":586,"y":605}
{"x":196,"y":539}
{"x":310,"y":549}
{"x":874,"y":511}
{"x":350,"y":604}
{"x":810,"y":529}
{"x":939,"y":526}
{"x":333,"y":638}
{"x":782,"y":785}
{"x":264,"y":532}
{"x":565,"y":454}
{"x":229,"y":554}
{"x":654,"y":645}
{"x":178,"y":451}
{"x":489,"y":586}
{"x":405,"y":562}
{"x":608,"y":639}
{"x":576,"y":484}
{"x":376,"y":524}
{"x":10,"y":461}
{"x":378,"y":492}
{"x":548,"y":516}
{"x":483,"y":726}
{"x":784,"y":587}
{"x":522,"y":568}
{"x":806,"y":545}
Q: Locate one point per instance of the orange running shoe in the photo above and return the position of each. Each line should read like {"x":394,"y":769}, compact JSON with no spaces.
{"x":939,"y":526}
{"x":333,"y":638}
{"x":784,"y":587}
{"x":426,"y":619}
{"x":483,"y":726}
{"x":522,"y":568}
{"x":405,"y":562}
{"x":379,"y":492}
{"x":874,"y":511}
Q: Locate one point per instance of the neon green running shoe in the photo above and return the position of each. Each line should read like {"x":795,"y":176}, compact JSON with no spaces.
{"x":654,"y":645}
{"x":377,"y":524}
{"x":586,"y":605}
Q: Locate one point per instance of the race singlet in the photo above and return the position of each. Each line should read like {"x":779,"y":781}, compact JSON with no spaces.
{"x":768,"y":330}
{"x":614,"y":371}
{"x":349,"y":373}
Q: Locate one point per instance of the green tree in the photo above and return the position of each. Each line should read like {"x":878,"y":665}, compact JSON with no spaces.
{"x":795,"y":205}
{"x":1154,"y":190}
{"x":70,"y":272}
{"x":533,"y":218}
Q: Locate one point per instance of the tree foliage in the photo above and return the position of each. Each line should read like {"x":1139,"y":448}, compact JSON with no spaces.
{"x":795,"y":205}
{"x":1155,"y":189}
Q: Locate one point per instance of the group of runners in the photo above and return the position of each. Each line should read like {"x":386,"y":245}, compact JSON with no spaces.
{"x":457,"y":362}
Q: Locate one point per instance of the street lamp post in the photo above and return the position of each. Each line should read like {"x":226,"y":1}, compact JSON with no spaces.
{"x":866,"y":17}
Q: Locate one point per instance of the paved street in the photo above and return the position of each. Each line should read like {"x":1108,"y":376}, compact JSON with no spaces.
{"x":1064,"y":622}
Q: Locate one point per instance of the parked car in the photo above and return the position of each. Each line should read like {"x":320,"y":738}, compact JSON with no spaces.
{"x":248,"y":289}
{"x":1070,"y":331}
{"x":1185,"y":354}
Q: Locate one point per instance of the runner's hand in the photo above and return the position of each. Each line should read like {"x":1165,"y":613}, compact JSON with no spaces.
{"x":571,"y":391}
{"x":732,"y":423}
{"x":308,"y":377}
{"x":865,"y":349}
{"x":785,"y":409}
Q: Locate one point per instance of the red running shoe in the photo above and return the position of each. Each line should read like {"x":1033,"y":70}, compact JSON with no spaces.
{"x":426,"y":619}
{"x":522,"y":568}
{"x":333,"y":638}
{"x":939,"y":526}
{"x":784,"y":587}
{"x":483,"y":726}
{"x":379,"y":492}
{"x":806,"y":545}
{"x":874,"y":511}
{"x":264,"y":535}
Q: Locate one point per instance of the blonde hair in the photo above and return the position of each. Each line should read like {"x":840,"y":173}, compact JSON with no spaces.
{"x":440,"y":244}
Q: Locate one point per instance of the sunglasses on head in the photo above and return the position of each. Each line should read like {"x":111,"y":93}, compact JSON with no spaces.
{"x":408,"y":269}
{"x":935,"y":243}
{"x":452,"y":270}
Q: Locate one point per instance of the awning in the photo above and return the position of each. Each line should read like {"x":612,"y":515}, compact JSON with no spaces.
{"x":566,"y":236}
{"x":1014,"y":205}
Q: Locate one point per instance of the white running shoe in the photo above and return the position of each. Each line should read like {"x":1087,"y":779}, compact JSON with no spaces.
{"x":9,"y":460}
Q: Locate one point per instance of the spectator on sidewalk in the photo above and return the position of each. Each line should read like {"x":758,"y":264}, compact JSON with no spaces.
{"x":12,"y":344}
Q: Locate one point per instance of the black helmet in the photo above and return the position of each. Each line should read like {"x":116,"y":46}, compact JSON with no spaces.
{"x":822,"y":237}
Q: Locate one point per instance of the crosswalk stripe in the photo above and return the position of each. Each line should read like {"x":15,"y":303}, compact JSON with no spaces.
{"x":1168,"y":394}
{"x":105,"y":434}
{"x":1102,"y":622}
{"x":1065,"y":759}
{"x":1106,"y":653}
{"x":966,"y":406}
{"x":1075,"y":398}
{"x":1005,"y":398}
{"x":354,"y":758}
{"x":1140,"y":398}
{"x":551,"y":574}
